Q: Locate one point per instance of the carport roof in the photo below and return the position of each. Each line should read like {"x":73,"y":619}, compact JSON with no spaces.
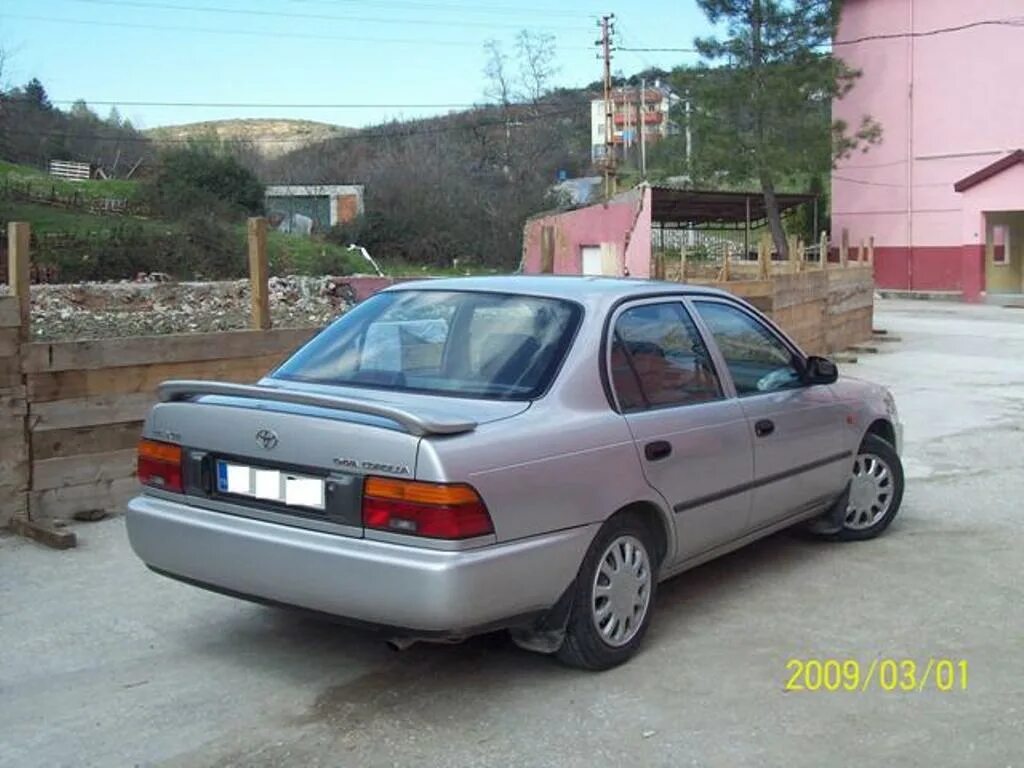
{"x":677,"y":206}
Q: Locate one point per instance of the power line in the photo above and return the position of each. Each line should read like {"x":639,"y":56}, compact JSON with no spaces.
{"x":1010,"y":22}
{"x":1016,"y":21}
{"x":657,"y":50}
{"x":254,"y":33}
{"x":889,"y":186}
{"x":311,"y":16}
{"x":452,"y":7}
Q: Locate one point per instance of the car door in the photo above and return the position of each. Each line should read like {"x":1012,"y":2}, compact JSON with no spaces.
{"x":797,"y":429}
{"x":693,"y":441}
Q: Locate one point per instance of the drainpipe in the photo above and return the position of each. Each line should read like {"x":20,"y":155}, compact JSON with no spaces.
{"x":910,"y":151}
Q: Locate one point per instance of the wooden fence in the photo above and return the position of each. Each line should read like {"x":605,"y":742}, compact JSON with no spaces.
{"x":71,"y":412}
{"x":826,"y":306}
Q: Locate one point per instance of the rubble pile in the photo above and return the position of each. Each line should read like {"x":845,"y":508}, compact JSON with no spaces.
{"x":154,"y":305}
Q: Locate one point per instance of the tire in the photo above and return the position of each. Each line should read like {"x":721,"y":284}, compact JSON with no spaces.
{"x":876,"y":491}
{"x":623,"y":550}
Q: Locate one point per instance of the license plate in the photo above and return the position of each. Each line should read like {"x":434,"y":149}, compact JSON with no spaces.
{"x":270,"y":485}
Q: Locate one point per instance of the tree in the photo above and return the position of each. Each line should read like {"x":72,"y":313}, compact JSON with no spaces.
{"x":202,"y":178}
{"x":762,"y":97}
{"x":35,"y":94}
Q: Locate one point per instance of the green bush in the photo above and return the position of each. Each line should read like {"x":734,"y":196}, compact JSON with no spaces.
{"x":199,"y":178}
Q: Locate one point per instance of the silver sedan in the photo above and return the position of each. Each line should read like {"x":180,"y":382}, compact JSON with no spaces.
{"x":525,"y":453}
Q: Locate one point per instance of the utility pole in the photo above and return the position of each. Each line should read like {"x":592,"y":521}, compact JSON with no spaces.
{"x":642,"y":126}
{"x":607,"y":30}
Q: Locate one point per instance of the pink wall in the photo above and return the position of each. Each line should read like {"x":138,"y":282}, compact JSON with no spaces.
{"x":638,"y":251}
{"x":625,"y":222}
{"x":949,"y":104}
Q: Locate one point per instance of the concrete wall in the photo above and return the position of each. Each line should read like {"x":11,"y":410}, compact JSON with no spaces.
{"x":949,"y":105}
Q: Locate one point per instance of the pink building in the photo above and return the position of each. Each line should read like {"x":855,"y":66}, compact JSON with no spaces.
{"x":943,"y":194}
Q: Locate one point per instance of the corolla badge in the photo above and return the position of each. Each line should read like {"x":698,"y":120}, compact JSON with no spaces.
{"x":267,"y":438}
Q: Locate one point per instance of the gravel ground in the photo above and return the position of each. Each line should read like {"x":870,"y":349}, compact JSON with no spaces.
{"x":104,"y":310}
{"x":103,"y":663}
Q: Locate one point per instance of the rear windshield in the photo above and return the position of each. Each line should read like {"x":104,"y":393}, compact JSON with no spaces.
{"x":483,"y":345}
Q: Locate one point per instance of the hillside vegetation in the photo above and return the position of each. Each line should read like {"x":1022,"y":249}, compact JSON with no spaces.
{"x":268,"y":137}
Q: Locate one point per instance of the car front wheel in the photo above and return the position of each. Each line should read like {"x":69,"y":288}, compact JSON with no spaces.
{"x":614,"y":597}
{"x":876,"y":491}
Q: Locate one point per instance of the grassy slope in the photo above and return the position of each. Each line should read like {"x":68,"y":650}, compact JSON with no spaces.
{"x":43,"y":182}
{"x":47,"y":219}
{"x":287,"y":254}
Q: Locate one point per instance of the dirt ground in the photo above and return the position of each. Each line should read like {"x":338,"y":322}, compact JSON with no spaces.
{"x":103,"y":663}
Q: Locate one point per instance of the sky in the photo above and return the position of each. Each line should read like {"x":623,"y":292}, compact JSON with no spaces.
{"x":311,"y":52}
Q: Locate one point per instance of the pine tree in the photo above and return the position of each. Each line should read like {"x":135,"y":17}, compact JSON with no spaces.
{"x":761,"y":98}
{"x":35,"y":94}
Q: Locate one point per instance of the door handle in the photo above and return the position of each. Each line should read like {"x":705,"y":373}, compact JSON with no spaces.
{"x":659,"y":449}
{"x":764,"y":427}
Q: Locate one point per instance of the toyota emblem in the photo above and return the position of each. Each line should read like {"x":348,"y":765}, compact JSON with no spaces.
{"x":267,"y":438}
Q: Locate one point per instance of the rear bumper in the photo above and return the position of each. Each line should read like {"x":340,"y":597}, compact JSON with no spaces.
{"x":394,"y":585}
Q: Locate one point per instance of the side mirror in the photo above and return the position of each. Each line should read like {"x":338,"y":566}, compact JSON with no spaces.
{"x":820,"y":370}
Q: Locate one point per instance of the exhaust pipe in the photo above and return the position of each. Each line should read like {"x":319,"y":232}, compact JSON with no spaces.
{"x":400,"y":643}
{"x":404,"y":642}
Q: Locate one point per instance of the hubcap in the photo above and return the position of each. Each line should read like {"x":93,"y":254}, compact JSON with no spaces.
{"x":622,"y":590}
{"x":871,"y":492}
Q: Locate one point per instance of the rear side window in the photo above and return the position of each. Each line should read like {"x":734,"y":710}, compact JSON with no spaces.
{"x":483,"y":345}
{"x":757,"y":359}
{"x":658,"y":359}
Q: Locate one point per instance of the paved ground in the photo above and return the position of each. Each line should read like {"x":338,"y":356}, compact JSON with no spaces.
{"x":102,"y":663}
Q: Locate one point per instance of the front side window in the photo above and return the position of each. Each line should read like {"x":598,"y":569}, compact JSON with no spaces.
{"x":658,"y":359}
{"x":484,"y":345}
{"x":757,"y":359}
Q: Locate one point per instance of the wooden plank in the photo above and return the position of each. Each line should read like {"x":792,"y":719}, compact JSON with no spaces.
{"x":63,"y":503}
{"x":259,"y":273}
{"x":13,"y":503}
{"x":87,"y":469}
{"x":9,"y":317}
{"x":89,"y":411}
{"x":10,"y":342}
{"x":46,"y":387}
{"x":18,"y":272}
{"x":12,"y":406}
{"x":54,"y":536}
{"x":42,"y":357}
{"x":61,"y":443}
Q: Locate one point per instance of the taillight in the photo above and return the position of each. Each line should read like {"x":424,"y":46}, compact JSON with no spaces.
{"x":437,"y":510}
{"x":160,"y":465}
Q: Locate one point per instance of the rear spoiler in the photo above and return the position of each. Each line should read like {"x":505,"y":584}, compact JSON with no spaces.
{"x":171,"y":391}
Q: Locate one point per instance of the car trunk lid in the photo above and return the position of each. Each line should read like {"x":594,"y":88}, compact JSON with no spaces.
{"x":299,"y":455}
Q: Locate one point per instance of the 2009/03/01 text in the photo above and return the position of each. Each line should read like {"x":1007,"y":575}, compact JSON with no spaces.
{"x":888,"y":675}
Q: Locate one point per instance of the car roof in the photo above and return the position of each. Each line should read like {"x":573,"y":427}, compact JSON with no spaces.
{"x":586,"y":289}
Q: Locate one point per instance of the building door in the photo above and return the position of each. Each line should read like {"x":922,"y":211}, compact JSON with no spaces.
{"x":1004,"y":252}
{"x":592,"y":260}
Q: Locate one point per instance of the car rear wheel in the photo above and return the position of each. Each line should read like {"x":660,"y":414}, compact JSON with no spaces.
{"x":876,"y":491}
{"x":614,"y":597}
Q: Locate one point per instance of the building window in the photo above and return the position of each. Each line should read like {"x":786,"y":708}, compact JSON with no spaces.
{"x":1001,"y":244}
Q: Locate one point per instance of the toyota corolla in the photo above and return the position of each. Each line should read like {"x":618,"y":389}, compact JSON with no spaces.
{"x":525,"y":453}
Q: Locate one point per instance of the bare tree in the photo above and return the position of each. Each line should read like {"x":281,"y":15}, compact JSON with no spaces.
{"x":536,"y":63}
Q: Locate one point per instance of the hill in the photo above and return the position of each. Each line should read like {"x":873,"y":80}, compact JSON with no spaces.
{"x":271,"y":137}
